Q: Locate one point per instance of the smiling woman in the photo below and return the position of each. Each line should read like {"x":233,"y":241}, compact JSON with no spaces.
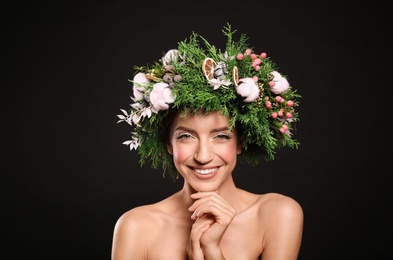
{"x":204,"y":149}
{"x":195,"y":113}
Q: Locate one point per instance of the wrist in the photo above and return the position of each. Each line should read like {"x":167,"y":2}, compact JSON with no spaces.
{"x":212,"y":252}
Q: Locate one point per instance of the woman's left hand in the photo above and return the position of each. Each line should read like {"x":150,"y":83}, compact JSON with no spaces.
{"x":212,"y":215}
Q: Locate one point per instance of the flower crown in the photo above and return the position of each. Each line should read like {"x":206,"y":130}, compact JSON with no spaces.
{"x":244,"y":85}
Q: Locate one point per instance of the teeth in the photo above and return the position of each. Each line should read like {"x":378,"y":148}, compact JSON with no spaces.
{"x":205,"y":171}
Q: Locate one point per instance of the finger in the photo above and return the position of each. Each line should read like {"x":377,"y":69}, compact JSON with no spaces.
{"x":197,"y":229}
{"x":214,"y":205}
{"x":222,"y":215}
{"x":207,"y":197}
{"x":194,"y":249}
{"x":196,"y":214}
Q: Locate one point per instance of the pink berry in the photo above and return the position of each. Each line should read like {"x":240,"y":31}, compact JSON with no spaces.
{"x":272,"y":83}
{"x":248,"y":51}
{"x":282,"y":130}
{"x":278,"y":98}
{"x":288,"y":115}
{"x":263,"y":55}
{"x":257,"y":68}
{"x":257,"y":61}
{"x":253,"y":56}
{"x":274,"y":115}
{"x":268,"y":105}
{"x":290,"y":103}
{"x":240,"y":56}
{"x":280,"y":113}
{"x":255,"y":78}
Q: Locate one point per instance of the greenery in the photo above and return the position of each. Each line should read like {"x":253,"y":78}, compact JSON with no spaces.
{"x":193,"y":93}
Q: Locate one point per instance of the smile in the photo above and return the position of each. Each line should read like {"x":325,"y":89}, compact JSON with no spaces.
{"x":205,"y":171}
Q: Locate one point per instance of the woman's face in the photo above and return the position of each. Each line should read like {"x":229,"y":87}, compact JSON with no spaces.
{"x":203,"y":150}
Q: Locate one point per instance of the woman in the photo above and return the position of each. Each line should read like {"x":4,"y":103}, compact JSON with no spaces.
{"x":196,"y":121}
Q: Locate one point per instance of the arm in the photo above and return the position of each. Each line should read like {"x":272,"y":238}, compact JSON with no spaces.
{"x":284,"y":229}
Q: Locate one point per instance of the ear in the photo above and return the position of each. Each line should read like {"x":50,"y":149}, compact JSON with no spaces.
{"x":169,"y":148}
{"x":239,"y":148}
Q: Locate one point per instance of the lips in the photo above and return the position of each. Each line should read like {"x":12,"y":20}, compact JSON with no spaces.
{"x":205,"y":174}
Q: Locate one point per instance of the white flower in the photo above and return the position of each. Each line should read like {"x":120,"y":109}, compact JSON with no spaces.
{"x":217,"y":83}
{"x":133,"y":144}
{"x":169,"y":56}
{"x":225,"y":57}
{"x":281,"y":83}
{"x":136,"y":117}
{"x":141,"y":78}
{"x":140,"y":112}
{"x":140,"y":81}
{"x":125,"y":117}
{"x":160,"y":97}
{"x":248,"y":89}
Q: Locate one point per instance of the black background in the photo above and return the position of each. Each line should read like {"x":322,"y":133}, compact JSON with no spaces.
{"x":66,"y":177}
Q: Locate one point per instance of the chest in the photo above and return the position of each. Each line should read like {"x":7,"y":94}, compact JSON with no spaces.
{"x":242,"y":240}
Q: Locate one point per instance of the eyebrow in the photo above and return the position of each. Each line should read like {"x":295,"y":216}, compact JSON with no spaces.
{"x":218,"y":129}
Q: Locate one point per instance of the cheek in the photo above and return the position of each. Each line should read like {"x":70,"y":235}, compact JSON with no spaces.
{"x":180,"y":152}
{"x":228,"y":153}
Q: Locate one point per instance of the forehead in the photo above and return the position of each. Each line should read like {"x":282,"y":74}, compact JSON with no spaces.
{"x":213,"y":118}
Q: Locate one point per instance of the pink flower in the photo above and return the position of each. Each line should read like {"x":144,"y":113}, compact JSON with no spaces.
{"x":160,"y":97}
{"x":281,"y":83}
{"x":140,"y":81}
{"x":248,"y":89}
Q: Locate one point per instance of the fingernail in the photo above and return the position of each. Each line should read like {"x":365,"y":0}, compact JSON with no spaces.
{"x":197,"y":212}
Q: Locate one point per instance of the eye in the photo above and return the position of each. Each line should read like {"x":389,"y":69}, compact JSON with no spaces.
{"x":223,"y":136}
{"x":183,"y":136}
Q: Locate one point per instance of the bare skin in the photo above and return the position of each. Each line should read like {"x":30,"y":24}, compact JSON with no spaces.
{"x":209,"y":218}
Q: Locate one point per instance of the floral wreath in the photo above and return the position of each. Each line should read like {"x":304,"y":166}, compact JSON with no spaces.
{"x":243,"y":84}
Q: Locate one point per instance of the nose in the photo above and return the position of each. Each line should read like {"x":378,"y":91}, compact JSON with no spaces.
{"x":203,"y":153}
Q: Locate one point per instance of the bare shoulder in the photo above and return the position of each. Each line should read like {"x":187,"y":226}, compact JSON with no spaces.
{"x":280,"y":212}
{"x":137,"y":217}
{"x":141,"y":220}
{"x":282,"y":220}
{"x":134,"y":230}
{"x":149,"y":216}
{"x":279,"y":204}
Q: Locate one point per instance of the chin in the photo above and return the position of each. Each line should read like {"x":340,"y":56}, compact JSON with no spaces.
{"x":204,"y":187}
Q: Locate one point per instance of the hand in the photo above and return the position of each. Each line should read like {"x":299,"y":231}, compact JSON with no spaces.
{"x":194,"y":247}
{"x":212,"y":215}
